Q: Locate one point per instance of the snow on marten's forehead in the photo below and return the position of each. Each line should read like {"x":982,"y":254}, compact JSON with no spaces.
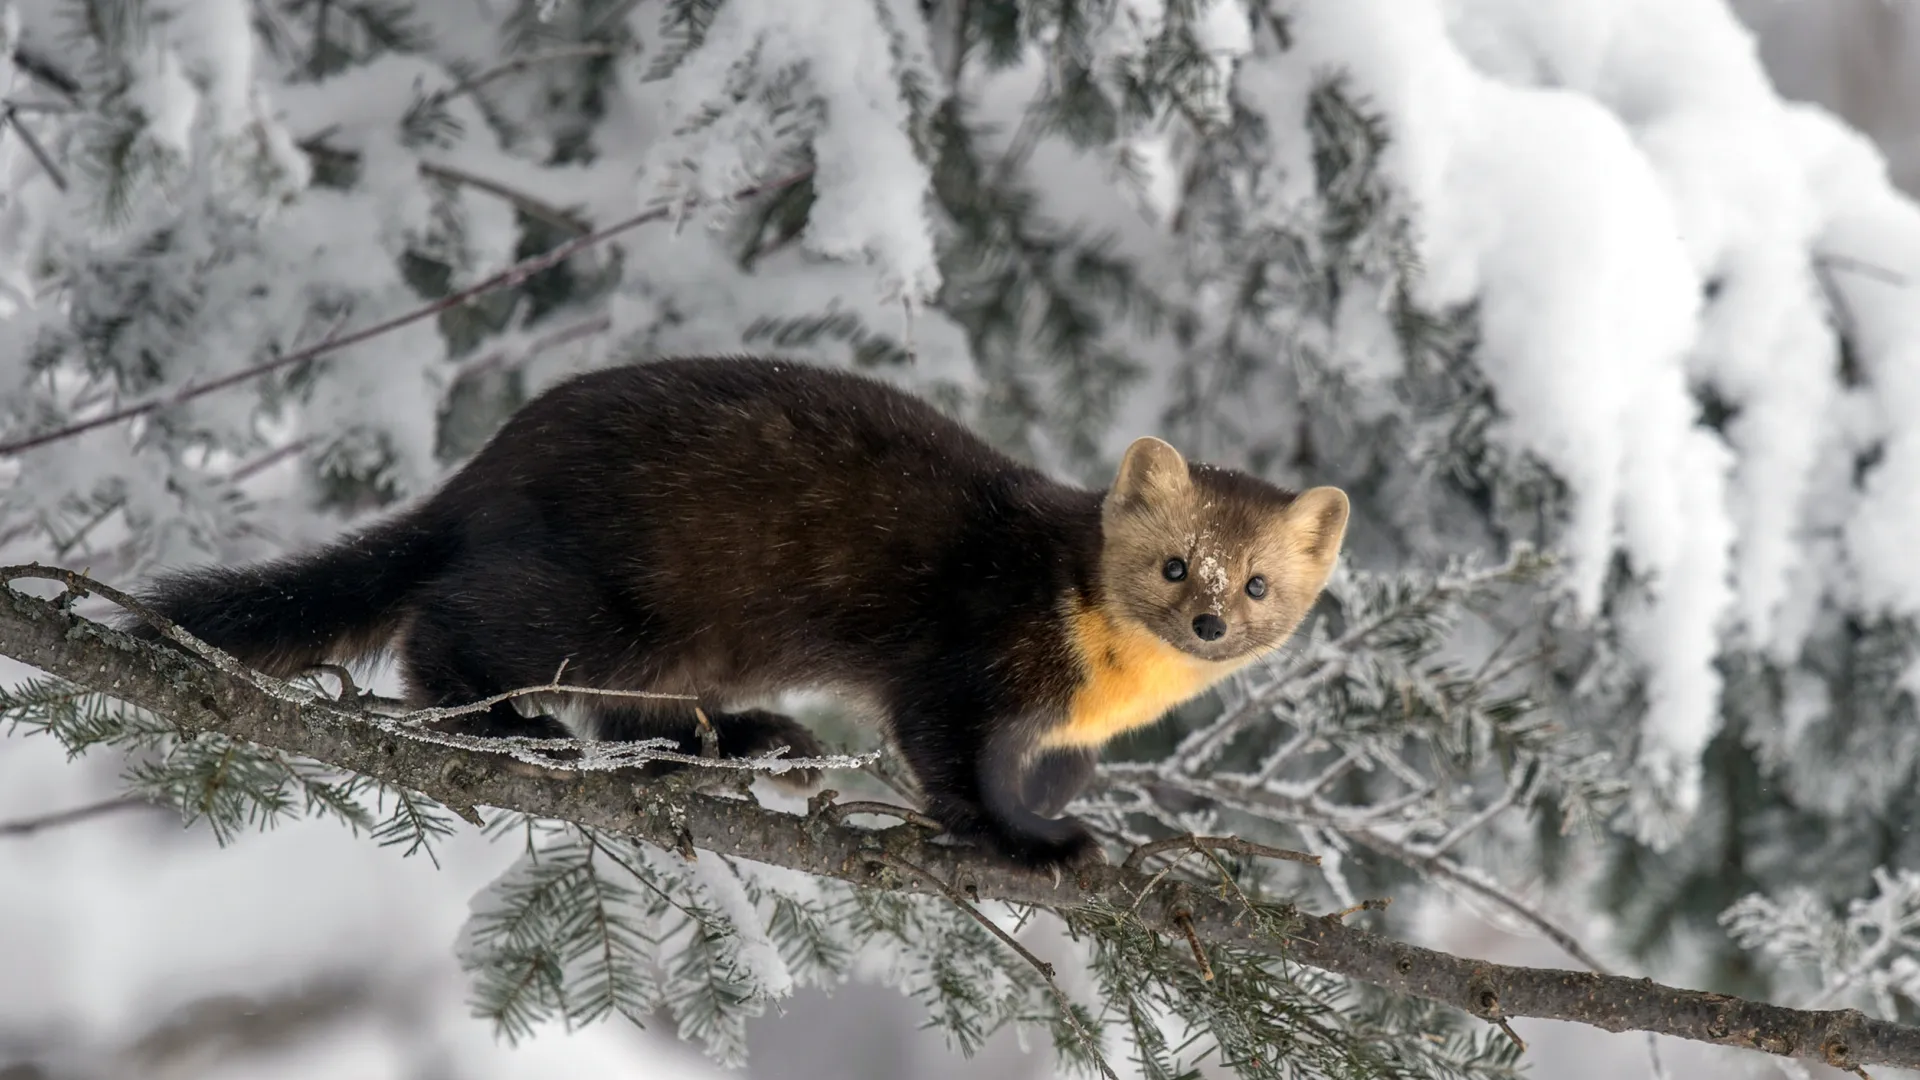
{"x":1234,"y":523}
{"x":1214,"y":552}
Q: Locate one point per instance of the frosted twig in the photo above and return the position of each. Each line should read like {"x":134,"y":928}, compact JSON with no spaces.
{"x":1473,"y":824}
{"x":1045,"y":969}
{"x":443,"y":712}
{"x":1279,"y":758}
{"x":1202,"y":746}
{"x":29,"y":826}
{"x":1232,"y":844}
{"x":1334,"y":772}
{"x":1264,"y":801}
{"x":507,"y":278}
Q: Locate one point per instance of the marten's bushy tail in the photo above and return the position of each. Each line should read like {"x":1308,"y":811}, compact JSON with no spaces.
{"x":283,"y":616}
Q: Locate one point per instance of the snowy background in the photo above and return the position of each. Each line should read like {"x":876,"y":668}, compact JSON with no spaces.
{"x":1631,"y":190}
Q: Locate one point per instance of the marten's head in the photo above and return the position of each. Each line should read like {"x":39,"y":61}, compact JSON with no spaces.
{"x":1217,"y":563}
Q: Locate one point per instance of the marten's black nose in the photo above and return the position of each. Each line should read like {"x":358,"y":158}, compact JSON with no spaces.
{"x":1209,"y":627}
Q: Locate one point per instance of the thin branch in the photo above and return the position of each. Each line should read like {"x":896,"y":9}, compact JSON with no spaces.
{"x":448,"y":712}
{"x":533,"y":206}
{"x":1265,"y":801}
{"x":1508,"y":798}
{"x":1863,"y":268}
{"x":29,"y":826}
{"x":838,"y":812}
{"x":269,"y":459}
{"x":1232,"y":844}
{"x":511,"y":276}
{"x":47,"y":73}
{"x":503,"y":359}
{"x":10,"y":118}
{"x":48,"y":636}
{"x":17,"y":105}
{"x":1184,"y":923}
{"x":515,"y":64}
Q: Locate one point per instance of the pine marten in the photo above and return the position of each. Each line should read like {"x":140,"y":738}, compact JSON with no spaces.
{"x":735,"y":527}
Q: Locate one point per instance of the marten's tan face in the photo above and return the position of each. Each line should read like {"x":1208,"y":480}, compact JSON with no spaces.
{"x":1216,"y":563}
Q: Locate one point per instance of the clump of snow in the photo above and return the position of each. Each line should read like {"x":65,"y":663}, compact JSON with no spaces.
{"x":870,"y":185}
{"x":1638,"y":215}
{"x":764,"y":973}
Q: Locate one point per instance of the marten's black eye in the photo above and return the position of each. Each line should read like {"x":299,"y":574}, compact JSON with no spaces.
{"x":1256,"y":586}
{"x":1175,"y":570}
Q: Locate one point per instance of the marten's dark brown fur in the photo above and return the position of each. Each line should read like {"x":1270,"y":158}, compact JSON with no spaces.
{"x":734,"y":528}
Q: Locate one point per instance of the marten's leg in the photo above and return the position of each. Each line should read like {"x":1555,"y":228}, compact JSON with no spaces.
{"x":506,"y":620}
{"x":1056,"y":777}
{"x":974,"y":769}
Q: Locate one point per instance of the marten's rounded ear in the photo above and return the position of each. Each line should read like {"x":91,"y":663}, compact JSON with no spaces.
{"x":1316,"y":525}
{"x":1152,"y":469}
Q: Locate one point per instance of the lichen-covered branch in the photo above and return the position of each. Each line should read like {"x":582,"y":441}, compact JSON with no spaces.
{"x":197,"y":697}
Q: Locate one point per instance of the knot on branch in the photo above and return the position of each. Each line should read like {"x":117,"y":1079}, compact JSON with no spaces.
{"x":1844,"y":1031}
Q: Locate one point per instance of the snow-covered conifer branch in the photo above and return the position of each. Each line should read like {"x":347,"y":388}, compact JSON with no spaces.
{"x":184,"y":695}
{"x":507,"y":278}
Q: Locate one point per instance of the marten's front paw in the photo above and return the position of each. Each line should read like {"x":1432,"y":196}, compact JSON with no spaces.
{"x":1068,"y":847}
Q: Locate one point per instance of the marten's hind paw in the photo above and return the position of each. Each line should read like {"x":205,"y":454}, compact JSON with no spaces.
{"x":1072,"y":847}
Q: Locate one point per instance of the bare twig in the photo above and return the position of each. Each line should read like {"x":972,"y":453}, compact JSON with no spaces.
{"x":29,"y":826}
{"x":533,"y":207}
{"x":269,"y":459}
{"x":349,"y":690}
{"x":9,"y":118}
{"x":1862,"y":267}
{"x":839,"y":812}
{"x":503,"y":359}
{"x":507,"y":278}
{"x":516,"y":64}
{"x":709,"y":738}
{"x":47,"y":73}
{"x":1184,"y":921}
{"x":1364,"y":905}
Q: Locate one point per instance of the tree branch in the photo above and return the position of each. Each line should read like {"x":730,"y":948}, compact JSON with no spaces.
{"x":197,"y":697}
{"x":29,"y":826}
{"x":507,"y":278}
